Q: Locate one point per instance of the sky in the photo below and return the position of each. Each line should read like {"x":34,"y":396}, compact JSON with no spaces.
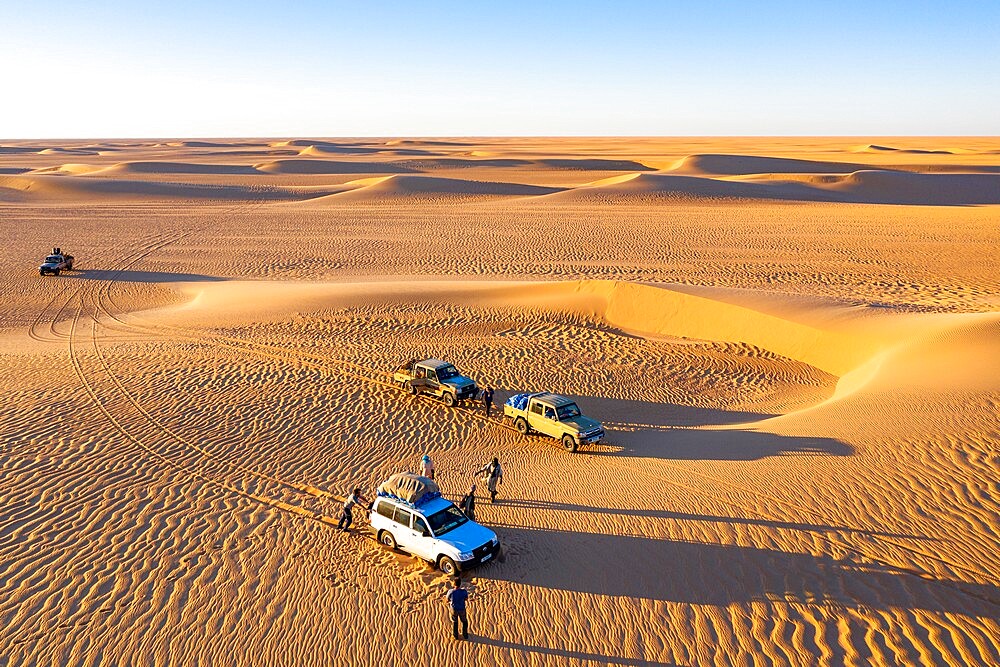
{"x":176,"y":68}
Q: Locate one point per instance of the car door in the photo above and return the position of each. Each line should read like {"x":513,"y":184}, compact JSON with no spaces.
{"x":432,"y":381}
{"x":535,"y":418}
{"x":401,"y":528}
{"x":422,"y":540}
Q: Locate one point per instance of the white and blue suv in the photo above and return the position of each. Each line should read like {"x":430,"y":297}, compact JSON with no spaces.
{"x":435,"y":530}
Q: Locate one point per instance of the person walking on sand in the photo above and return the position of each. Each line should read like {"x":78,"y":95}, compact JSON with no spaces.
{"x":427,"y":467}
{"x":494,"y":476}
{"x":468,"y":504}
{"x":488,"y":399}
{"x":348,"y":517}
{"x":456,"y":598}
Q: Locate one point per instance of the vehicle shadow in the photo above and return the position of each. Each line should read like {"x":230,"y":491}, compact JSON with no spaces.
{"x":650,"y":414}
{"x":720,"y":445}
{"x":144,"y":276}
{"x":685,"y":516}
{"x":646,"y":429}
{"x":565,"y":653}
{"x":698,"y":573}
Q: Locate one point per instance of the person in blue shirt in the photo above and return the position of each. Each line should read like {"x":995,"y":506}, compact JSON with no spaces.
{"x":456,"y":598}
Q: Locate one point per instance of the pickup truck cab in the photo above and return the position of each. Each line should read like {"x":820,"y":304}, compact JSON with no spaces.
{"x":434,"y":529}
{"x":55,"y":263}
{"x":555,"y":416}
{"x":438,"y":378}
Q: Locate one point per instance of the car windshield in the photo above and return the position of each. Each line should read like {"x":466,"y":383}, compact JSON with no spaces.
{"x":568,"y":412}
{"x":447,"y":519}
{"x":53,"y":258}
{"x":447,"y":372}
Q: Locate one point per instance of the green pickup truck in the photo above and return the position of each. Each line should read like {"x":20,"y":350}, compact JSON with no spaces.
{"x":437,"y":378}
{"x":555,"y":416}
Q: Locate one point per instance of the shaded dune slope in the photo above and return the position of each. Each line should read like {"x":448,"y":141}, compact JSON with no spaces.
{"x":395,"y":188}
{"x":733,"y":165}
{"x":861,"y":187}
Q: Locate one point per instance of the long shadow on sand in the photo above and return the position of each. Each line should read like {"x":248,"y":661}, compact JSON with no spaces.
{"x":720,"y":445}
{"x":646,"y":429}
{"x":144,"y":276}
{"x":565,"y":653}
{"x":697,"y":573}
{"x":650,"y":414}
{"x":685,"y":516}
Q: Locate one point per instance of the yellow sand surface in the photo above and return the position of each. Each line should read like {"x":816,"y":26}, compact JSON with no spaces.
{"x":793,"y":344}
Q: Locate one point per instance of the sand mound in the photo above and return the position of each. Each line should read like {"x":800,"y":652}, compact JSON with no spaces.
{"x":876,"y":148}
{"x":205,"y":144}
{"x":429,"y":187}
{"x":648,"y":186}
{"x":861,"y":187}
{"x":894,"y":187}
{"x":733,"y":165}
{"x":73,"y":168}
{"x":174,"y":168}
{"x":67,"y":151}
{"x":86,"y":189}
{"x":329,"y":167}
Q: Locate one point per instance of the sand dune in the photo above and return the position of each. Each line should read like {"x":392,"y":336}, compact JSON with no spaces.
{"x":733,"y":165}
{"x":391,"y":188}
{"x":174,"y":168}
{"x":669,"y":187}
{"x":67,"y":151}
{"x":876,"y":186}
{"x":875,"y":148}
{"x":329,"y":167}
{"x":572,"y":164}
{"x":862,"y":187}
{"x":800,"y":395}
{"x":83,"y":189}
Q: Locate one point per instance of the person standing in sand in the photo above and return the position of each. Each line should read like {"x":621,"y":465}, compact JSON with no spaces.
{"x":494,"y":476}
{"x":348,"y":517}
{"x":427,"y":467}
{"x":456,"y":598}
{"x":468,"y":504}
{"x":488,"y":399}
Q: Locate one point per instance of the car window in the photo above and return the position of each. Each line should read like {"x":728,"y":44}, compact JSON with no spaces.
{"x":385,"y":508}
{"x":447,"y":519}
{"x":569,"y":411}
{"x":420,"y":372}
{"x":431,"y":375}
{"x":420,"y":526}
{"x":536,"y":408}
{"x":402,"y":516}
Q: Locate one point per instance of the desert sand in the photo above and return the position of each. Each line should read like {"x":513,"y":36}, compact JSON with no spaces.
{"x":794,"y":345}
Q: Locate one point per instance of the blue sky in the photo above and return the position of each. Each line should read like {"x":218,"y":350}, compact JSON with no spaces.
{"x":204,"y":69}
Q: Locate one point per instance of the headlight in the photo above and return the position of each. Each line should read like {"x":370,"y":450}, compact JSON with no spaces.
{"x":465,"y":555}
{"x":494,"y":541}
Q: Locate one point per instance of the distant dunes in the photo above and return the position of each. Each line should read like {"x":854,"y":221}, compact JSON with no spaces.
{"x":863,"y":187}
{"x":732,"y":165}
{"x":876,"y":148}
{"x":397,"y":170}
{"x":423,"y":187}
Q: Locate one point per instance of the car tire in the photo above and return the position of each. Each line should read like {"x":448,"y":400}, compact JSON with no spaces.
{"x":413,"y":389}
{"x":55,"y":272}
{"x":41,"y":273}
{"x":447,"y":566}
{"x":449,"y":399}
{"x":386,"y":539}
{"x":521,"y":425}
{"x":569,"y":443}
{"x":405,"y":386}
